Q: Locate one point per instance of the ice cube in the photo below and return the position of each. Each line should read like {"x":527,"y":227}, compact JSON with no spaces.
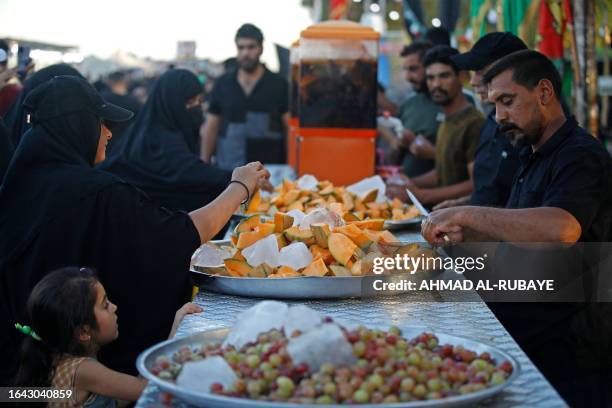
{"x":262,"y":317}
{"x":198,"y":376}
{"x":323,"y":344}
{"x":209,"y":255}
{"x":297,"y":215}
{"x":307,"y":182}
{"x":302,"y":318}
{"x":263,"y":251}
{"x":296,"y":256}
{"x":322,"y":215}
{"x":368,"y":184}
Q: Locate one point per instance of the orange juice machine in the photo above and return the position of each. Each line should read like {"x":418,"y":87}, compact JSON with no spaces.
{"x":293,"y":104}
{"x":337,"y":101}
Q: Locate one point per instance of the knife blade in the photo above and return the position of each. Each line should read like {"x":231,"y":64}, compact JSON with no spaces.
{"x":424,"y":211}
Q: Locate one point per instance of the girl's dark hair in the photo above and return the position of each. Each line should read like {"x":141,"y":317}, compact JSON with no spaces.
{"x":61,"y":303}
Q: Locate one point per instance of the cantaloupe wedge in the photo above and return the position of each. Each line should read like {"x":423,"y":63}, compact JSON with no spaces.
{"x":248,"y":238}
{"x":254,"y":202}
{"x":318,"y":252}
{"x":372,"y":224}
{"x":236,"y":267}
{"x":296,"y":234}
{"x":338,"y":270}
{"x":321,"y":233}
{"x":341,"y":248}
{"x":282,"y":221}
{"x":248,"y":224}
{"x":355,"y":234}
{"x":316,"y":268}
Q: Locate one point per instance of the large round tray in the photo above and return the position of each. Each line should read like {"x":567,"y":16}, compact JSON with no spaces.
{"x":305,"y":287}
{"x":146,"y":361}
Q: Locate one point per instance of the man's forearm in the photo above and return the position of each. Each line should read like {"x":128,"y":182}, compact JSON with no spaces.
{"x":544,"y":224}
{"x":439,"y":194}
{"x":426,"y":180}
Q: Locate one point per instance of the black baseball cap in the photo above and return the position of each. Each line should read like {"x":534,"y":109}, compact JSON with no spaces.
{"x":65,"y":94}
{"x":487,"y":50}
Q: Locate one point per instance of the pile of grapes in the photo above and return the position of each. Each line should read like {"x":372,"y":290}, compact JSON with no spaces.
{"x":389,"y":369}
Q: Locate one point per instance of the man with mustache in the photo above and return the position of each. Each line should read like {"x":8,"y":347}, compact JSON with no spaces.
{"x":420,"y":117}
{"x":496,"y":160}
{"x":248,"y":111}
{"x":562,"y":194}
{"x":457,"y":136}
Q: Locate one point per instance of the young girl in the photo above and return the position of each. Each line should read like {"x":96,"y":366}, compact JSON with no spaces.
{"x":71,"y":318}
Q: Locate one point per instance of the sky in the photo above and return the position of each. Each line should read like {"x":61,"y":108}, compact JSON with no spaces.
{"x":152,"y":28}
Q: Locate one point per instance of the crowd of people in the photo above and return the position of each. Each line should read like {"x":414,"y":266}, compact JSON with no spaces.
{"x":104,"y":178}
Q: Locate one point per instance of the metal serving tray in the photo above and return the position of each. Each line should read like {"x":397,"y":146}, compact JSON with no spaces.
{"x":213,"y":278}
{"x":146,"y":361}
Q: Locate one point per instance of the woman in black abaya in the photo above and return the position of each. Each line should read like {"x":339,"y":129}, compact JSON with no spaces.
{"x":56,"y":210}
{"x":16,"y":119}
{"x":160,"y":151}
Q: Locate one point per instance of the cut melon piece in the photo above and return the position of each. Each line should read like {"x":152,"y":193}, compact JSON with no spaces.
{"x":327,"y":190}
{"x":238,"y":256}
{"x":287,"y":272}
{"x":316,"y":268}
{"x":347,"y":200}
{"x":321,"y":233}
{"x":234,"y":239}
{"x":296,"y":205}
{"x":350,"y":216}
{"x":370,"y":196}
{"x":248,"y":224}
{"x":282,"y":241}
{"x":387,"y":237}
{"x":236,"y":267}
{"x":246,"y":239}
{"x":296,"y":234}
{"x":338,"y":270}
{"x":258,"y":272}
{"x":318,"y":252}
{"x":282,"y":221}
{"x":341,"y":247}
{"x":254,"y":202}
{"x":291,"y":196}
{"x":371,"y":224}
{"x":355,"y":234}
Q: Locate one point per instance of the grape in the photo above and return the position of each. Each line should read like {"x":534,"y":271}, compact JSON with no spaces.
{"x":361,"y":396}
{"x":329,"y":388}
{"x":324,"y":399}
{"x":275,"y":360}
{"x":419,"y":391}
{"x":407,"y":384}
{"x":359,"y":348}
{"x":414,"y":359}
{"x":253,"y":361}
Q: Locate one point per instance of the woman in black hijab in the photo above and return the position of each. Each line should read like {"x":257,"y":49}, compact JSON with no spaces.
{"x":15,"y":118}
{"x":6,"y":149}
{"x":56,"y":210}
{"x":160,"y":151}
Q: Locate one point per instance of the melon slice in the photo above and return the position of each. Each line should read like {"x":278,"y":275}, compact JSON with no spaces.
{"x":248,"y":224}
{"x":341,"y":248}
{"x":237,"y":268}
{"x":282,"y":221}
{"x":316,"y":268}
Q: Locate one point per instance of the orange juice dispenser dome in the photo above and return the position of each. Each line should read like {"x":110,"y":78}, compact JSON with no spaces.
{"x":337,"y":101}
{"x":294,"y":79}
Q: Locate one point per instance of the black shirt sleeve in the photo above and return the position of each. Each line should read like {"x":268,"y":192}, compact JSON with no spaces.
{"x":577,"y":184}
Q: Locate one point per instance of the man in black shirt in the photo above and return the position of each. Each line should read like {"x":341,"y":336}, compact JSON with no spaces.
{"x":562,"y":193}
{"x":248,"y":114}
{"x":496,"y":160}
